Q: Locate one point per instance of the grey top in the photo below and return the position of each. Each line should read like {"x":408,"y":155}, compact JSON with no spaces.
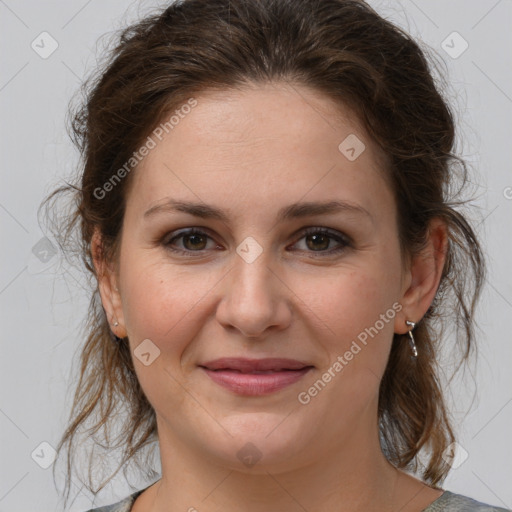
{"x":447,"y":502}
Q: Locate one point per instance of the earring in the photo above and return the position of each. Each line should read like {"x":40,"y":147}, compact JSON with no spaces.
{"x":411,"y":338}
{"x":113,"y":335}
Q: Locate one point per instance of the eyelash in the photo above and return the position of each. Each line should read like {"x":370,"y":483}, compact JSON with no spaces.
{"x":342,"y":239}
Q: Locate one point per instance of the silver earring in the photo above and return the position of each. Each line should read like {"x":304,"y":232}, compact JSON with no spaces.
{"x":116,"y":324}
{"x":411,"y":338}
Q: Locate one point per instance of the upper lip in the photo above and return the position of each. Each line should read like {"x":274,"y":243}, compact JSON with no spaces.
{"x":248,"y":365}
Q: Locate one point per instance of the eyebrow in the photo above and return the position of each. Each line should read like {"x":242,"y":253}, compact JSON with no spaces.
{"x":292,"y":211}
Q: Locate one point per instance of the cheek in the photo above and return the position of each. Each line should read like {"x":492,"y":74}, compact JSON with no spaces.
{"x":359,"y":307}
{"x":165,"y":303}
{"x":347,"y":386}
{"x":162,"y":305}
{"x":356,"y":305}
{"x":159,"y":302}
{"x":355,"y":299}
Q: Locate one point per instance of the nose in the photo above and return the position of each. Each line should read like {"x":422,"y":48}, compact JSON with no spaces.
{"x":255,"y":300}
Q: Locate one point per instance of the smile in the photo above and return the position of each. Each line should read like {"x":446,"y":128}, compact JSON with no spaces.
{"x":255,"y":377}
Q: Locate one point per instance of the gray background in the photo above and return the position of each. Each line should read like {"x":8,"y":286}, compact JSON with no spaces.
{"x":42,"y":306}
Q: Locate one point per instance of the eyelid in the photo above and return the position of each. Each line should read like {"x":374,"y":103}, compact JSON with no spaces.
{"x":177,"y":234}
{"x":332,"y":232}
{"x":343,"y":239}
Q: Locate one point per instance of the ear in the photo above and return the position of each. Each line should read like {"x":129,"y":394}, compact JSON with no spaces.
{"x":423,"y":276}
{"x":108,"y":286}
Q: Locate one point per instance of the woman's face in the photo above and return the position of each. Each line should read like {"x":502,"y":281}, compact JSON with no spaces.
{"x":254,"y":285}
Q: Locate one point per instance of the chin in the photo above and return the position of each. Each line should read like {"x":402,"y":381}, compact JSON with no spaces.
{"x":261,"y":443}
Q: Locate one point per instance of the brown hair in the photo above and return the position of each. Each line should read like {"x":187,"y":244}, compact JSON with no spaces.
{"x":345,"y":50}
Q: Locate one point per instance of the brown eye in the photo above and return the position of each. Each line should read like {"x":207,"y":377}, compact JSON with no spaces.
{"x":317,"y":240}
{"x":193,"y":240}
{"x":320,"y":241}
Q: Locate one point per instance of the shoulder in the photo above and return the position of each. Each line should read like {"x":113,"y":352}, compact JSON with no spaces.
{"x":125,"y":505}
{"x":452,"y":502}
{"x":447,"y":502}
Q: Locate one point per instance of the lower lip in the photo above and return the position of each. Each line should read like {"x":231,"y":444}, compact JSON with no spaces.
{"x":255,"y":384}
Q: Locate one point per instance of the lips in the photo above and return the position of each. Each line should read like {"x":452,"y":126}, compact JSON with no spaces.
{"x":254,"y":377}
{"x":244,"y":365}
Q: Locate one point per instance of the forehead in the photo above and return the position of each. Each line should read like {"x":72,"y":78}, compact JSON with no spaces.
{"x":240,"y":140}
{"x":261,"y":113}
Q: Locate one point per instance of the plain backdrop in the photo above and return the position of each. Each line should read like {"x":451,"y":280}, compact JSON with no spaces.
{"x":42,"y":307}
